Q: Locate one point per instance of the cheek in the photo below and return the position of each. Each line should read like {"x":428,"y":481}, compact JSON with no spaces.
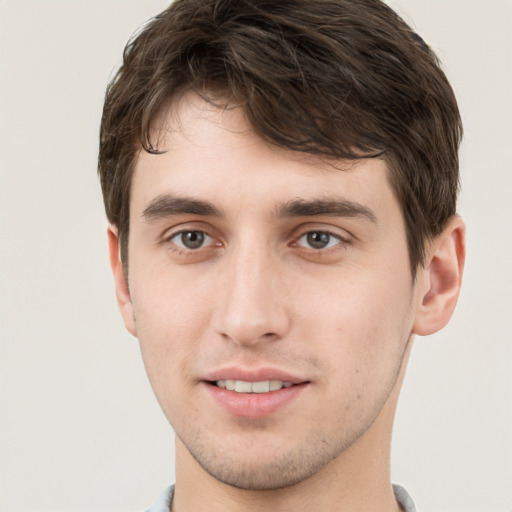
{"x":361,"y":323}
{"x":171,"y":317}
{"x":169,"y":305}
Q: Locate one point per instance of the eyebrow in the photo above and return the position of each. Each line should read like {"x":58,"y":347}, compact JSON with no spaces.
{"x":329,"y":207}
{"x":166,"y":205}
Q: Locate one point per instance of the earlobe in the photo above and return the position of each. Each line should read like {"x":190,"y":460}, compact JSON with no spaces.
{"x":122,"y":291}
{"x":440,"y":279}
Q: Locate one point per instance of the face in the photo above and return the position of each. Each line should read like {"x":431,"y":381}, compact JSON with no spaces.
{"x":271,"y":293}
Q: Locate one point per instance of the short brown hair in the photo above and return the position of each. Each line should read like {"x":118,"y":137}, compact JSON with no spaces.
{"x":341,"y":78}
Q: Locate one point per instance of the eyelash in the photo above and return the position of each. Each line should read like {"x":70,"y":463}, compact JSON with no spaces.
{"x":339,"y":241}
{"x":183,"y":249}
{"x":332,"y":236}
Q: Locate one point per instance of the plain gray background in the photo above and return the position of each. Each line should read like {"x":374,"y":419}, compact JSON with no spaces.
{"x":79,"y":427}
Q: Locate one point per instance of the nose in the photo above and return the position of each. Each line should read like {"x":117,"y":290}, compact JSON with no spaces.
{"x":251,"y":308}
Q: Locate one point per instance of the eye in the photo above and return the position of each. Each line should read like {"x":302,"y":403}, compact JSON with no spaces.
{"x":319,"y":240}
{"x":191,"y":239}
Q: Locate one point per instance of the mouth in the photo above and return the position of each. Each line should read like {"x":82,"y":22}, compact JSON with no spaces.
{"x":254,"y":396}
{"x":260,"y":387}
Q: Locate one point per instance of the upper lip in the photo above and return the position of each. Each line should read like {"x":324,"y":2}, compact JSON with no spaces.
{"x":253,"y":375}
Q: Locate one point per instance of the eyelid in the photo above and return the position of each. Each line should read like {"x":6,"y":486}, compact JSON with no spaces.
{"x":338,"y":239}
{"x":312,"y":227}
{"x":334,"y":243}
{"x":344,"y":239}
{"x":171,"y":232}
{"x":182,"y":247}
{"x":183,"y":227}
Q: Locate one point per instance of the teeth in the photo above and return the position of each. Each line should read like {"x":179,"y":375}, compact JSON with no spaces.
{"x":274,"y":385}
{"x":242,"y":386}
{"x":260,"y":387}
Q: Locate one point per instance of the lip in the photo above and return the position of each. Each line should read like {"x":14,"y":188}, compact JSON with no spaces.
{"x":254,"y":405}
{"x":253,"y":375}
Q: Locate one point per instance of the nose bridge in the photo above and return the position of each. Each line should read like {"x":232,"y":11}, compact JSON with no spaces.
{"x":250,"y":308}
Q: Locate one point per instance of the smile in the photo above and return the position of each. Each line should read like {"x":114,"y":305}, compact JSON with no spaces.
{"x":254,"y":398}
{"x":242,"y":386}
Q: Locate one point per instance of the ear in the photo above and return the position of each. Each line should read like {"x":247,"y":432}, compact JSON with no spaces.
{"x":439,"y":280}
{"x":122,"y":291}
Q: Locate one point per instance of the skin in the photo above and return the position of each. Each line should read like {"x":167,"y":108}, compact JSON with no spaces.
{"x":261,"y":292}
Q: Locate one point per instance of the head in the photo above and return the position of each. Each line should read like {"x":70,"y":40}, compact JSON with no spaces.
{"x":348,"y":80}
{"x":280,"y":178}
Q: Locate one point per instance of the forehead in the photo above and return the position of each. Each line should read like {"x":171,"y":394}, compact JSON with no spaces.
{"x":214,"y":153}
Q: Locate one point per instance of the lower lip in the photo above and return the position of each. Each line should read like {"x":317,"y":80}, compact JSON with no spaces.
{"x":254,"y":405}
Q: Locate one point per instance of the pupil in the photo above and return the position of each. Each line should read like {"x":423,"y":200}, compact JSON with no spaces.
{"x":192,"y":239}
{"x":318,"y":240}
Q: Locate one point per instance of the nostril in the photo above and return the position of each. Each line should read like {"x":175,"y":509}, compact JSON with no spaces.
{"x":269,"y":336}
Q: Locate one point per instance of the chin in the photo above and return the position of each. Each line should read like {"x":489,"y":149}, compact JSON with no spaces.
{"x":268,"y":476}
{"x":267,"y":469}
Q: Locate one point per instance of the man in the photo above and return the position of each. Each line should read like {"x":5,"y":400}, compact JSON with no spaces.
{"x":280,"y":180}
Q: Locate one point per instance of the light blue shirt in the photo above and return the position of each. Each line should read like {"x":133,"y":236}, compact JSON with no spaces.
{"x":163,"y":503}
